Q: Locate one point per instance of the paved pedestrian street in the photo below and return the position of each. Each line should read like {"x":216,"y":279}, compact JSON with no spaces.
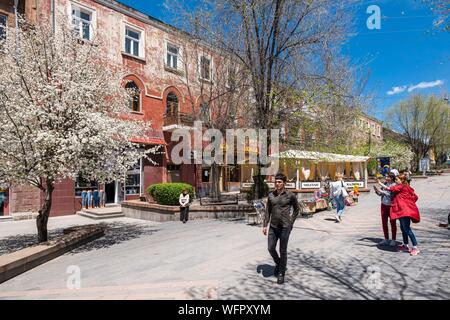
{"x":213,"y":259}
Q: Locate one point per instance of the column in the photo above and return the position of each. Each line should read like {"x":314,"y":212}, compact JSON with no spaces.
{"x":366,"y":175}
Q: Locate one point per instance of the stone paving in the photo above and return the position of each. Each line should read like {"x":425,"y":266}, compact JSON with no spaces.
{"x":228,"y":259}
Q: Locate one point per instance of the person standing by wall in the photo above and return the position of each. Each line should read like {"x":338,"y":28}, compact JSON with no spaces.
{"x":89,"y":199}
{"x":84,"y":201}
{"x":338,"y":193}
{"x":184,"y":206}
{"x":278,"y":211}
{"x":386,"y":201}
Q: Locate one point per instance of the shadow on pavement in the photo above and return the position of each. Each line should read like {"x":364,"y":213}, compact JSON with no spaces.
{"x":266,"y":270}
{"x":115,"y":233}
{"x":316,"y":276}
{"x":21,"y":241}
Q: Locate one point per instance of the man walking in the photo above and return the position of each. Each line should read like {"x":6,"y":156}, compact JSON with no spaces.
{"x":281,"y":222}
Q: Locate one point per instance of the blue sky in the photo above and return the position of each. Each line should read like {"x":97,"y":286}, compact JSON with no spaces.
{"x":405,"y":56}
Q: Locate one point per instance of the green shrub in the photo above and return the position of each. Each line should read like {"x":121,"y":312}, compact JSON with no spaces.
{"x":169,"y":193}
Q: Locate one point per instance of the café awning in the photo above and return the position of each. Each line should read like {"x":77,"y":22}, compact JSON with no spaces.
{"x":319,"y":156}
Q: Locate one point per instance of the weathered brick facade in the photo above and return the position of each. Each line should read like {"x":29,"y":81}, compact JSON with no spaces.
{"x":148,"y":71}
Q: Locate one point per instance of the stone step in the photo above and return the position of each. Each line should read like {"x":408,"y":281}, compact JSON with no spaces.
{"x":97,"y":216}
{"x":6,"y":218}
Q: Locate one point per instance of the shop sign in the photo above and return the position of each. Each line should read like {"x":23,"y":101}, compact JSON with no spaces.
{"x":290,"y":185}
{"x":351,"y":184}
{"x":310,"y":185}
{"x":247,"y":184}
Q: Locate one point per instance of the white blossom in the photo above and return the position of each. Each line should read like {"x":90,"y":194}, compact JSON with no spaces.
{"x":63,"y":110}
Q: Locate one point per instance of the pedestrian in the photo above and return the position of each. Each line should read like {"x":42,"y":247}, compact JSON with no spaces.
{"x":96,"y":198}
{"x":101,"y":195}
{"x":338,"y":194}
{"x":184,"y":206}
{"x":89,"y":199}
{"x":404,"y":208}
{"x":84,"y":199}
{"x":278,"y":211}
{"x":386,"y":200}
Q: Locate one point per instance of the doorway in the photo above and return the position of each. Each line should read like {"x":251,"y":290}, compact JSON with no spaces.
{"x":110,"y":192}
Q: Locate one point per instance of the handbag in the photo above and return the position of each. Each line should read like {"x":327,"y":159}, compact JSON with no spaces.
{"x":344,"y":190}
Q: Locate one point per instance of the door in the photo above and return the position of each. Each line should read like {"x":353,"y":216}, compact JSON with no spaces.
{"x":110,"y":192}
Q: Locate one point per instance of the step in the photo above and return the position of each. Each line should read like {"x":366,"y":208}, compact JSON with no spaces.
{"x":6,"y":218}
{"x":96,"y":216}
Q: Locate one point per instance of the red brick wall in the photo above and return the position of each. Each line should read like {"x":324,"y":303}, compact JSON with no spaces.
{"x":63,"y":202}
{"x":24,"y":198}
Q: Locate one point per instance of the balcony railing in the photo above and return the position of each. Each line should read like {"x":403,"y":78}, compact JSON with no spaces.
{"x":179,"y":118}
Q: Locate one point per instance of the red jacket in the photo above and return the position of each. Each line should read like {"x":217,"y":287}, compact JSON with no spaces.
{"x":404,"y":203}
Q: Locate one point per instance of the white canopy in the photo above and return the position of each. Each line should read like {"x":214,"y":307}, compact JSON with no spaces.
{"x":319,"y":156}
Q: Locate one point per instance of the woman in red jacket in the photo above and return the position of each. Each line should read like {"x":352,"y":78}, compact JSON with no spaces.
{"x":405,"y":209}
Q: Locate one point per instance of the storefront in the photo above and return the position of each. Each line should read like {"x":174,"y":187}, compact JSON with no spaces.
{"x":306,"y":170}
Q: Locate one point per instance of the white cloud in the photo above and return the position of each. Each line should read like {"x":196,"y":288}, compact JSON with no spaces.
{"x":424,"y":85}
{"x":396,"y":90}
{"x":421,"y":85}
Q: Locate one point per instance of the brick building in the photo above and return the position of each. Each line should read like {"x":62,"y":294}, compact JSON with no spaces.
{"x":151,"y":51}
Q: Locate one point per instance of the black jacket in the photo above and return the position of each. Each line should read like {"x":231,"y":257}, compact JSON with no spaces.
{"x":279,"y":208}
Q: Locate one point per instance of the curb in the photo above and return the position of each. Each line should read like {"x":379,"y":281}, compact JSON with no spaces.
{"x":13,"y":264}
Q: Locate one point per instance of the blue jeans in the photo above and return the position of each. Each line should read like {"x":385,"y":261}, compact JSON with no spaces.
{"x":405,"y":226}
{"x":340,"y":205}
{"x":83,"y":199}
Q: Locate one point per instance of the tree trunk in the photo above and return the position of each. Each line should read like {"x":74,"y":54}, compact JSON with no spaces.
{"x":258,"y":180}
{"x":215,"y":177}
{"x":44,"y":212}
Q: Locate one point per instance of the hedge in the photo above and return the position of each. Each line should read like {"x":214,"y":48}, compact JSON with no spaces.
{"x":169,"y":193}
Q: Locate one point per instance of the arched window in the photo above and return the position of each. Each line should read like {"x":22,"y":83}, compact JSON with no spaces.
{"x":135,"y":103}
{"x":172,"y":103}
{"x":205,"y":112}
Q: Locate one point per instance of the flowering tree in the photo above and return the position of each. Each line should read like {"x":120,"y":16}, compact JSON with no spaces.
{"x":62,"y":113}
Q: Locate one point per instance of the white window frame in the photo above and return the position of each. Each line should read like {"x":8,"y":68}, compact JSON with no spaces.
{"x":178,"y":55}
{"x":74,"y":6}
{"x":210,"y":67}
{"x":141,"y":44}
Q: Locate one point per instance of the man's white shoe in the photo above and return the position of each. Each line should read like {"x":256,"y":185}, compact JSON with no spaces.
{"x":384,"y":243}
{"x":337,"y":218}
{"x":393,"y":243}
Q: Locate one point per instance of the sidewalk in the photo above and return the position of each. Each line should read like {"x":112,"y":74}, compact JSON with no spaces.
{"x":229,"y":259}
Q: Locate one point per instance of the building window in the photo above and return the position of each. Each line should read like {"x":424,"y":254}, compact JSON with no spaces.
{"x":205,"y":113}
{"x":205,"y":68}
{"x":3,"y":20}
{"x":132,"y":40}
{"x":172,"y":56}
{"x":135,"y":103}
{"x":133,"y":180}
{"x":82,"y":22}
{"x":172,"y":103}
{"x":173,"y":173}
{"x":205,"y":175}
{"x":82,"y":184}
{"x":231,"y":79}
